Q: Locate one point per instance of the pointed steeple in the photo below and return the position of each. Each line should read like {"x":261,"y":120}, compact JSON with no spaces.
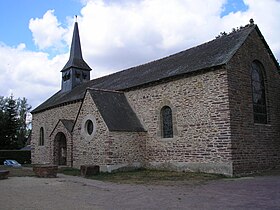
{"x":76,"y":71}
{"x":76,"y":59}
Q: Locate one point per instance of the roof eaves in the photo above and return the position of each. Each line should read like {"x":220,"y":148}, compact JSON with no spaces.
{"x":268,"y":49}
{"x":126,"y":130}
{"x":36,"y":110}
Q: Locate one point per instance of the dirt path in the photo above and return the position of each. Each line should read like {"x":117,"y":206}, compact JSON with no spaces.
{"x":68,"y":192}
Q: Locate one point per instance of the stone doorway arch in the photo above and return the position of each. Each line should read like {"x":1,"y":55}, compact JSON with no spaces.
{"x":60,"y":149}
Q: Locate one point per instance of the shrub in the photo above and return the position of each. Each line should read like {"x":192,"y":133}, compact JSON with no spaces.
{"x":22,"y":156}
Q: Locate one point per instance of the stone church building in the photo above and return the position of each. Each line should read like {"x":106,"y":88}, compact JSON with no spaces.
{"x":212,"y":108}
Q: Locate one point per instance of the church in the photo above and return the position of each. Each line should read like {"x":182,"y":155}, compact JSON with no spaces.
{"x":212,"y":108}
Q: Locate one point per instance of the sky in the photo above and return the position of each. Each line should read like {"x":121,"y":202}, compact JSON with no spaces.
{"x":36,"y":35}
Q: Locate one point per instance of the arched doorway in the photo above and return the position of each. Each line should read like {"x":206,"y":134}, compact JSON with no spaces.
{"x":60,"y":149}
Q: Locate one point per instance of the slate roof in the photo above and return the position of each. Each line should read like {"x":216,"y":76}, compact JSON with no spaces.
{"x":116,"y":111}
{"x":76,"y":58}
{"x":68,"y":124}
{"x":206,"y":56}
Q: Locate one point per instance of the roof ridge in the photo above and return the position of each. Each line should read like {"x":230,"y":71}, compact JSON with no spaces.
{"x":104,"y":90}
{"x":180,"y":52}
{"x":235,"y":30}
{"x":214,"y":53}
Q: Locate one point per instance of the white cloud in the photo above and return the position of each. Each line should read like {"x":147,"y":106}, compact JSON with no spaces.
{"x":29,"y":74}
{"x":47,"y":31}
{"x":120,"y":34}
{"x":265,"y":14}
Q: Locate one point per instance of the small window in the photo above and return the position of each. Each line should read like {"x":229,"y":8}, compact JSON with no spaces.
{"x":41,"y":138}
{"x":66,"y":76}
{"x":167,"y":124}
{"x":89,"y":127}
{"x":77,"y":74}
{"x":258,"y":93}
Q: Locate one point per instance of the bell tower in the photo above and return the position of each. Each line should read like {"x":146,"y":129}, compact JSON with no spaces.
{"x":76,"y":71}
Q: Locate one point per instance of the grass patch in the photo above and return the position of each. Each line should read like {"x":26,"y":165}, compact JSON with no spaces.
{"x":156,"y":177}
{"x":69,"y":171}
{"x":18,"y":172}
{"x":139,"y":176}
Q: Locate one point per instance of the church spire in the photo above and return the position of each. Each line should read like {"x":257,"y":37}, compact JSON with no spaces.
{"x":76,"y":71}
{"x":76,"y":59}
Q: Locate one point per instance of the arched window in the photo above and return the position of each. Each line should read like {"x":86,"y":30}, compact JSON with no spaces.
{"x":167,"y":124}
{"x":258,"y":92}
{"x":41,"y":138}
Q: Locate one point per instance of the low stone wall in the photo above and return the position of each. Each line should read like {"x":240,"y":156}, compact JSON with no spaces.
{"x":45,"y":171}
{"x":4,"y":174}
{"x":89,"y":170}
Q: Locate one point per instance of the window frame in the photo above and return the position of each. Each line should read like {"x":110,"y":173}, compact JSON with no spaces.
{"x":89,"y":127}
{"x":258,"y":87}
{"x":167,"y":127}
{"x":41,"y":137}
{"x":84,"y":127}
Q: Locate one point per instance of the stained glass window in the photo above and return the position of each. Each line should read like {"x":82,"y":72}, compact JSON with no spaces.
{"x":41,"y":138}
{"x":258,"y":90}
{"x":167,"y":125}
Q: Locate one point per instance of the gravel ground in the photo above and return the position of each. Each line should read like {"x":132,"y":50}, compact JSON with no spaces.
{"x":69,"y":192}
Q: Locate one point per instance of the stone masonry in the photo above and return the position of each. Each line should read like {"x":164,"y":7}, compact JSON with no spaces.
{"x":254,"y":146}
{"x":201,"y":115}
{"x":48,"y":120}
{"x":54,"y":138}
{"x":212,"y":113}
{"x":110,"y":150}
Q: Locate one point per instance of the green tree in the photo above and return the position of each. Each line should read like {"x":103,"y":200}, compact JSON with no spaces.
{"x":13,"y":127}
{"x":4,"y":143}
{"x":3,"y":127}
{"x":23,"y":109}
{"x":12,"y":123}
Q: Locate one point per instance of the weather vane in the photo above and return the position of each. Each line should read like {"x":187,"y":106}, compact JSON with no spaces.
{"x":76,"y":18}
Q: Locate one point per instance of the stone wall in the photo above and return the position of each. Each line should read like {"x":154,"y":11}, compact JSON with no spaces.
{"x":201,"y":123}
{"x":48,"y":120}
{"x":213,"y":127}
{"x":109,"y":150}
{"x":255,"y":146}
{"x":88,"y":149}
{"x":126,"y":150}
{"x":54,"y":142}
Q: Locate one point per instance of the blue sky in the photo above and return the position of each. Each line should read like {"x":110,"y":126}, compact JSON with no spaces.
{"x":115,"y":34}
{"x":16,"y":15}
{"x":234,"y":6}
